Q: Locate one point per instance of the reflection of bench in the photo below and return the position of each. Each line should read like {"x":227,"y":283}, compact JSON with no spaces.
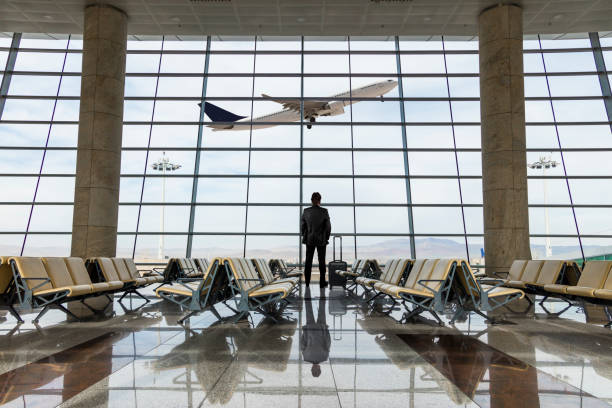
{"x":197,"y":295}
{"x":250,"y":291}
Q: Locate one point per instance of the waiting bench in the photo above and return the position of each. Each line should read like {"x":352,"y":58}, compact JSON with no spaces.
{"x":250,"y":291}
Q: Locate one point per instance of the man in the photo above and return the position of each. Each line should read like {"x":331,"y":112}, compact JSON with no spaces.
{"x":316,"y":229}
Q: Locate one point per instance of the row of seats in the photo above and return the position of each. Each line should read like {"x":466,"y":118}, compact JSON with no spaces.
{"x":52,"y":281}
{"x":185,"y":268}
{"x":249,"y":282}
{"x":564,"y":279}
{"x":431,"y":284}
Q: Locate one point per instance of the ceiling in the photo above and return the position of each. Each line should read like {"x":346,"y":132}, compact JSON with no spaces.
{"x":420,"y":18}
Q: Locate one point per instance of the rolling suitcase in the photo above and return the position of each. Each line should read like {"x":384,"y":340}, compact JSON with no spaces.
{"x":337,"y":265}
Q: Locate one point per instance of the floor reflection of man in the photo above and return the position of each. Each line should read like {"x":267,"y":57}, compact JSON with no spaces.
{"x":315,"y":335}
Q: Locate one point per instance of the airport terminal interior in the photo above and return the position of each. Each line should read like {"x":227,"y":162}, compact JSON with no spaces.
{"x":156,"y":157}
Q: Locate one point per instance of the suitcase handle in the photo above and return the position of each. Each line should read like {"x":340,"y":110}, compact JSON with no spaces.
{"x":334,"y":246}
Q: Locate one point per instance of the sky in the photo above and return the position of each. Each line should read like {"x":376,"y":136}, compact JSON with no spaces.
{"x":282,"y":218}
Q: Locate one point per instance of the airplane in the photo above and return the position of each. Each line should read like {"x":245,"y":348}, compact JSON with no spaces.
{"x":291,"y":108}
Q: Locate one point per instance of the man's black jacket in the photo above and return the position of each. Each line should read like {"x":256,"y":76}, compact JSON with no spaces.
{"x":316,"y":227}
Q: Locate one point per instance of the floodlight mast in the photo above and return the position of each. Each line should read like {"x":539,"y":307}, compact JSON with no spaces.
{"x":545,"y":163}
{"x":163,"y":164}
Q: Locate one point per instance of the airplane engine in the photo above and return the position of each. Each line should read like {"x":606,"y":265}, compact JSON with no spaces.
{"x":334,"y":108}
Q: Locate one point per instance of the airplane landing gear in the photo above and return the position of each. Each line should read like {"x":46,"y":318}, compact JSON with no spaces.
{"x":312,"y":120}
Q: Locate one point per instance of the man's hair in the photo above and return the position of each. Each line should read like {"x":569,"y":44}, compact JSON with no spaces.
{"x":316,"y":198}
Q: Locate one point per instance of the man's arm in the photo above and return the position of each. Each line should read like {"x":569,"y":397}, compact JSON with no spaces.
{"x":327,"y":225}
{"x":303,"y":226}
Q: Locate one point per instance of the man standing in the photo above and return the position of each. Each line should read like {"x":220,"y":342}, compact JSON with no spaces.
{"x":316,"y":229}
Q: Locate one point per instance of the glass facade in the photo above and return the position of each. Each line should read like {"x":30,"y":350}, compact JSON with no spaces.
{"x":400,"y":175}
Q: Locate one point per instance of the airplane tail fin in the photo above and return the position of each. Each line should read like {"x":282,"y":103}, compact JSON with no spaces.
{"x":218,"y":114}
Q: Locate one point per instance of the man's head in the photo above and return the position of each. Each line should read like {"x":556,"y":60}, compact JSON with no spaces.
{"x":315,"y":370}
{"x":316,"y":198}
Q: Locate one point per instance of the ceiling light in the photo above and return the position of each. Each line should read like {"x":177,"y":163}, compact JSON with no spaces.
{"x":176,"y":19}
{"x":301,"y":19}
{"x":48,"y":17}
{"x":427,"y":19}
{"x":558,"y":17}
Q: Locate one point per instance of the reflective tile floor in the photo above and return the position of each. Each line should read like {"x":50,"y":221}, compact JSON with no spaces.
{"x":329,"y":350}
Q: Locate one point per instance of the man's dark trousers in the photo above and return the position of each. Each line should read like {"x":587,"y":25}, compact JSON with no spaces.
{"x":310,"y":249}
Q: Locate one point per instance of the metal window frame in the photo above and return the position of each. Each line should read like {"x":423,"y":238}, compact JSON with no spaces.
{"x":595,"y":48}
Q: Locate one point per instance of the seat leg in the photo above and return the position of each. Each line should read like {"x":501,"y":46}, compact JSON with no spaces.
{"x":412,"y":313}
{"x":41,"y":314}
{"x":187,"y":316}
{"x":229,"y":307}
{"x":435,"y":315}
{"x":215,"y":312}
{"x":266,"y":314}
{"x":68,"y":312}
{"x":373,"y":297}
{"x":14,"y":313}
{"x":125,"y":293}
{"x":137,"y":293}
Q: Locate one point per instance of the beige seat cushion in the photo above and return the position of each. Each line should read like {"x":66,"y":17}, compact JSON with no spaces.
{"x":604,"y":294}
{"x":280,"y":288}
{"x":581,"y":291}
{"x":501,"y":291}
{"x":397,"y":291}
{"x":516,"y":284}
{"x":178,"y":289}
{"x":561,"y":289}
{"x":367,"y":281}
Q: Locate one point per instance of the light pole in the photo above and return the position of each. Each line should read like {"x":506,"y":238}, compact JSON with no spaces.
{"x":163,"y":165}
{"x":545,"y":163}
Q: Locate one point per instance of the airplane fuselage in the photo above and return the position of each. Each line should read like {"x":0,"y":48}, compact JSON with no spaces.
{"x":331,"y":108}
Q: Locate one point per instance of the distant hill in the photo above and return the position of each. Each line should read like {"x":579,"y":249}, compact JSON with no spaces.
{"x":391,"y":248}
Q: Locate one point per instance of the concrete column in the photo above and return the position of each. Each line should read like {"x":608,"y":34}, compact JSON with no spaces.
{"x":96,"y":197}
{"x":502,"y":111}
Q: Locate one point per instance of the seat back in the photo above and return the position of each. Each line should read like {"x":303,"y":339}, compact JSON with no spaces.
{"x":396,"y":274}
{"x":516,"y":270}
{"x":34,"y":270}
{"x":6,"y":274}
{"x":550,"y":272}
{"x":424,"y":273}
{"x":131,"y":267}
{"x":58,"y":272}
{"x":387,"y":273}
{"x":283,"y":265}
{"x":356,"y":264}
{"x":608,"y":282}
{"x":185,"y":265}
{"x":78,"y":271}
{"x":264,"y":270}
{"x":467,"y":280}
{"x":532,"y":271}
{"x":417,"y":265}
{"x":122,"y":270}
{"x":203,"y":264}
{"x":240,"y":270}
{"x":594,"y":274}
{"x":440,"y":273}
{"x":108,"y":269}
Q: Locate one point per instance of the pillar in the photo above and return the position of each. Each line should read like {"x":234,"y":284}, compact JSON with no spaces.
{"x":504,"y":163}
{"x":96,"y":196}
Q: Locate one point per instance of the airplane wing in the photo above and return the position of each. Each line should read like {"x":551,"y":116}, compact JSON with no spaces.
{"x":294,"y":104}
